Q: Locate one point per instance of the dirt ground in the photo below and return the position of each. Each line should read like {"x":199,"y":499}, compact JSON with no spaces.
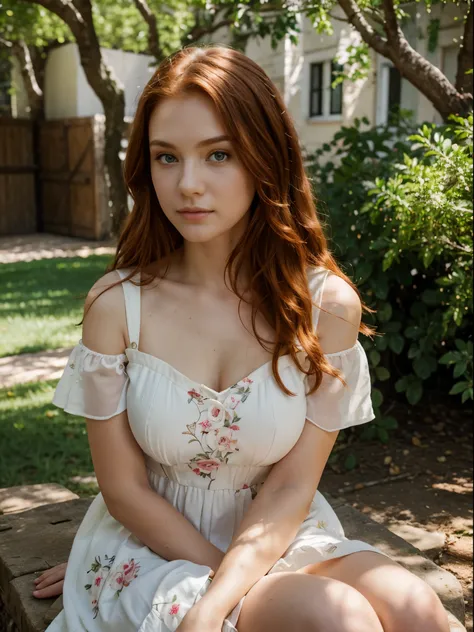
{"x":433,"y":449}
{"x":45,"y":246}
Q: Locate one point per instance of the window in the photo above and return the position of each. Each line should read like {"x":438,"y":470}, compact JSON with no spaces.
{"x":316,"y":90}
{"x":323,"y":99}
{"x":394,"y":91}
{"x":336,"y":93}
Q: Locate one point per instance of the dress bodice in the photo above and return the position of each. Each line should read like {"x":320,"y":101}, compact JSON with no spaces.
{"x":202,"y":438}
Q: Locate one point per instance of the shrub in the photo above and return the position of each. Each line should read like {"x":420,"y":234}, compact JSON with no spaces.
{"x":399,"y":210}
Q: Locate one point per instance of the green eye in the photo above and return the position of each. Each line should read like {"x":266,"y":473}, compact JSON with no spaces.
{"x":164,"y":155}
{"x":222,"y":153}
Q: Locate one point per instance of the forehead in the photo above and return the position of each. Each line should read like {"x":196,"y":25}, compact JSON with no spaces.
{"x":193,"y":114}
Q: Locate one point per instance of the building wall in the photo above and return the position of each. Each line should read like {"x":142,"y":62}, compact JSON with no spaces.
{"x":130,"y":69}
{"x":60,"y":83}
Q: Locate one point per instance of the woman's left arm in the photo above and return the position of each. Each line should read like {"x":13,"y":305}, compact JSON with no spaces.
{"x":275,"y":515}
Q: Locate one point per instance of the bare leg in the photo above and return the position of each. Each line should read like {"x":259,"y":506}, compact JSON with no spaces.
{"x":401,"y":600}
{"x":285,"y":602}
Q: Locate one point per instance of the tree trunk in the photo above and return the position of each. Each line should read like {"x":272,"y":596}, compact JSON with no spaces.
{"x":77,"y":14}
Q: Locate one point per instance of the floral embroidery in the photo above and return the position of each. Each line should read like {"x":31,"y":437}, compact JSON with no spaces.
{"x":253,"y":488}
{"x":120,"y":579}
{"x":171,"y":612}
{"x":215,"y":429}
{"x":124,"y":575}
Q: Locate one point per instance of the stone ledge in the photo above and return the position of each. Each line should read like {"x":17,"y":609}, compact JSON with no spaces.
{"x":360,"y":527}
{"x":32,"y":541}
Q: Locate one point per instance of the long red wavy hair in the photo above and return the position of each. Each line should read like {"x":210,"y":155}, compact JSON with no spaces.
{"x":284,"y":235}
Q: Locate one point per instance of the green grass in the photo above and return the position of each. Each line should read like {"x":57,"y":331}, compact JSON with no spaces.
{"x":39,"y":442}
{"x":42,"y":301}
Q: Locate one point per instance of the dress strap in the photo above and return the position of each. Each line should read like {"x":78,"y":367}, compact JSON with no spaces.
{"x":132,"y":306}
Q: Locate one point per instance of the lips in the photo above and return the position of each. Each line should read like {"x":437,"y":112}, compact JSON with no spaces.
{"x":194,"y":213}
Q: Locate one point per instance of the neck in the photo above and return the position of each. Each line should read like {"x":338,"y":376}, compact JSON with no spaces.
{"x":202,"y":265}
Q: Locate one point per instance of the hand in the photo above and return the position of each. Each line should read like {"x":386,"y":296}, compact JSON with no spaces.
{"x":50,"y":583}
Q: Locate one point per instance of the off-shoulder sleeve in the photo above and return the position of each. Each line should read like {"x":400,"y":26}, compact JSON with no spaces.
{"x":93,"y":385}
{"x":334,"y":406}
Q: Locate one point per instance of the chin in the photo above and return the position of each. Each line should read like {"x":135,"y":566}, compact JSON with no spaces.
{"x":198,"y":234}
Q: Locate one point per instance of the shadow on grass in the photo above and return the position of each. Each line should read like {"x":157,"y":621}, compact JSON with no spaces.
{"x":39,"y":442}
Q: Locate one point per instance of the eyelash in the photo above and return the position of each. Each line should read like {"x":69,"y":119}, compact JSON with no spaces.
{"x":218,"y":151}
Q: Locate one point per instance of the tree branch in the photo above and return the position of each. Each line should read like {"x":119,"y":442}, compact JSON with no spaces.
{"x":421,"y":73}
{"x":20,"y":49}
{"x":147,"y":14}
{"x":464,"y":82}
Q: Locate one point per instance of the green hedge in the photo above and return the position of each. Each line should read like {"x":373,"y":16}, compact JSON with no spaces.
{"x":398,"y":204}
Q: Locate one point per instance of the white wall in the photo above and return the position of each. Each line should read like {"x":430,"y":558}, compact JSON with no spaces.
{"x":67,"y":92}
{"x":60,"y":82}
{"x":130,"y":69}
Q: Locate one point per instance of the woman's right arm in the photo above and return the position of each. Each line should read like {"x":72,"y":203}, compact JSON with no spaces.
{"x":118,"y":460}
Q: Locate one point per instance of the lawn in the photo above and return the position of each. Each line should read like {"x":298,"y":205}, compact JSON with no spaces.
{"x":41,"y":302}
{"x":39,"y":442}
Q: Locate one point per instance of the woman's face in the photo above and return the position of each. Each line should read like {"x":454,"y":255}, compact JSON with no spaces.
{"x":192,"y":167}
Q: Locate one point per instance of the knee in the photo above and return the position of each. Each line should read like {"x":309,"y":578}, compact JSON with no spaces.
{"x":343,"y":609}
{"x":422,"y":612}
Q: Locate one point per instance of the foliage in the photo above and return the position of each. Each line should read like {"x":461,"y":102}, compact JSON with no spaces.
{"x":407,"y":248}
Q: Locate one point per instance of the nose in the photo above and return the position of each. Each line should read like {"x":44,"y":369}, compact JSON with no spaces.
{"x":191,"y":181}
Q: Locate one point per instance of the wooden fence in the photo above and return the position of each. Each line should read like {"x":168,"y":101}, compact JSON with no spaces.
{"x":18,"y":167}
{"x":54,"y":178}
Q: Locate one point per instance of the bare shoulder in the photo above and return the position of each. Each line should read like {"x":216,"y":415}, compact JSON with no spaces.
{"x":98,"y":290}
{"x":340,"y":317}
{"x":104,"y":327}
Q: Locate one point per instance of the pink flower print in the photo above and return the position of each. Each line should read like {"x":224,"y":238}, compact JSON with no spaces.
{"x":247,"y":380}
{"x":216,"y":414}
{"x":98,"y":580}
{"x":222,"y":440}
{"x":206,"y":425}
{"x":124,"y":575}
{"x":245,"y":486}
{"x":235,"y":427}
{"x":174,"y":609}
{"x":197,"y":471}
{"x":130,"y":571}
{"x":194,"y":394}
{"x":208,"y":465}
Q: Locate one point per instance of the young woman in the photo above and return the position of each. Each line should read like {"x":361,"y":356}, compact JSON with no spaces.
{"x":218,"y":361}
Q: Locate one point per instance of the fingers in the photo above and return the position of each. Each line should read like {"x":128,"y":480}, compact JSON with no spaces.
{"x":50,"y":583}
{"x":54,"y":590}
{"x":56,"y":571}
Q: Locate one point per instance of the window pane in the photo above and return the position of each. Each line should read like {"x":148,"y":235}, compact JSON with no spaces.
{"x":394,"y":90}
{"x":316,"y":103}
{"x":336,"y":93}
{"x":316,"y":76}
{"x":315,"y":90}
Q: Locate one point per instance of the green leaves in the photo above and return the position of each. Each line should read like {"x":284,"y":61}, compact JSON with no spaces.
{"x":399,"y":203}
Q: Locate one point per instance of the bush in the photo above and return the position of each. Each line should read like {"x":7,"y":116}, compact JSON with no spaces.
{"x":399,"y":212}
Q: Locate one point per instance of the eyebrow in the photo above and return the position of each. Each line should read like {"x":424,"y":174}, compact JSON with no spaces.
{"x":203,"y":143}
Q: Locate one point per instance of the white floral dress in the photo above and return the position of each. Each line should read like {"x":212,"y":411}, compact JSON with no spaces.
{"x":207,"y":453}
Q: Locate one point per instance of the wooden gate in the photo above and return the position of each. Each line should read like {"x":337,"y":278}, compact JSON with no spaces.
{"x":18,"y":165}
{"x":52,"y":177}
{"x":71,"y":177}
